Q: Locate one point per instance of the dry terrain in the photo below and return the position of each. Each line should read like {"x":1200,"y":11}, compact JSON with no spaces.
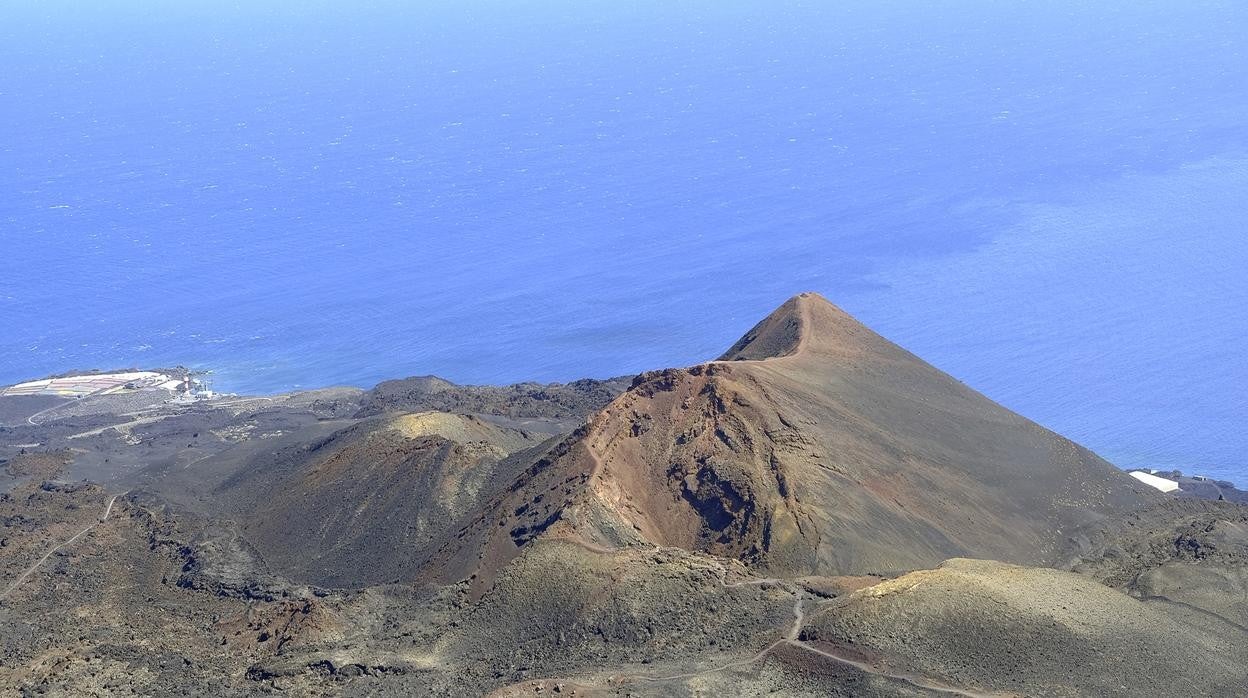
{"x":818,"y":512}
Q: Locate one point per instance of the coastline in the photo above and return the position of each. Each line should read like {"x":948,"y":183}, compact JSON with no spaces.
{"x":99,"y":410}
{"x":262,"y":519}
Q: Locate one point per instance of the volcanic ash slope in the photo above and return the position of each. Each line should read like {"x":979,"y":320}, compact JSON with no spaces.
{"x":1030,"y":631}
{"x":813,"y":447}
{"x":793,"y":518}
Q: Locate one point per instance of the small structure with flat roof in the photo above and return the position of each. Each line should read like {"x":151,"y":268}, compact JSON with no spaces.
{"x":1152,"y":480}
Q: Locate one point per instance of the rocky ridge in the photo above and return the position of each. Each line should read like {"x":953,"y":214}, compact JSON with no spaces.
{"x":795,"y":517}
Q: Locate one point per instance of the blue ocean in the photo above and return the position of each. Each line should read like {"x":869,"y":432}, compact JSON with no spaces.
{"x":1048,"y":200}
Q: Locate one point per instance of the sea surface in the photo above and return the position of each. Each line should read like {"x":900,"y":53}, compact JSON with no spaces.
{"x":1048,"y":200}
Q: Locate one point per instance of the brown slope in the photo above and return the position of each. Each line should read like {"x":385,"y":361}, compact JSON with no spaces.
{"x":362,"y":506}
{"x":779,"y":334}
{"x":1033,"y":632}
{"x":1184,"y":552}
{"x":822,"y":449}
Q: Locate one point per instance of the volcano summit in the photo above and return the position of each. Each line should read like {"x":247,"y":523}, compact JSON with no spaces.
{"x":816,"y":512}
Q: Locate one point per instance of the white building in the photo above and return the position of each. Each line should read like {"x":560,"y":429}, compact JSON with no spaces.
{"x":1151,"y":480}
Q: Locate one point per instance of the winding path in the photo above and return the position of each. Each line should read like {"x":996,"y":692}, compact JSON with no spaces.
{"x":31,"y":419}
{"x":124,"y":428}
{"x":30,"y":570}
{"x":791,"y":638}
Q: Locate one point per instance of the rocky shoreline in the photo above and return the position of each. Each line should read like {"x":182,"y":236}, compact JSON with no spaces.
{"x":816,"y":513}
